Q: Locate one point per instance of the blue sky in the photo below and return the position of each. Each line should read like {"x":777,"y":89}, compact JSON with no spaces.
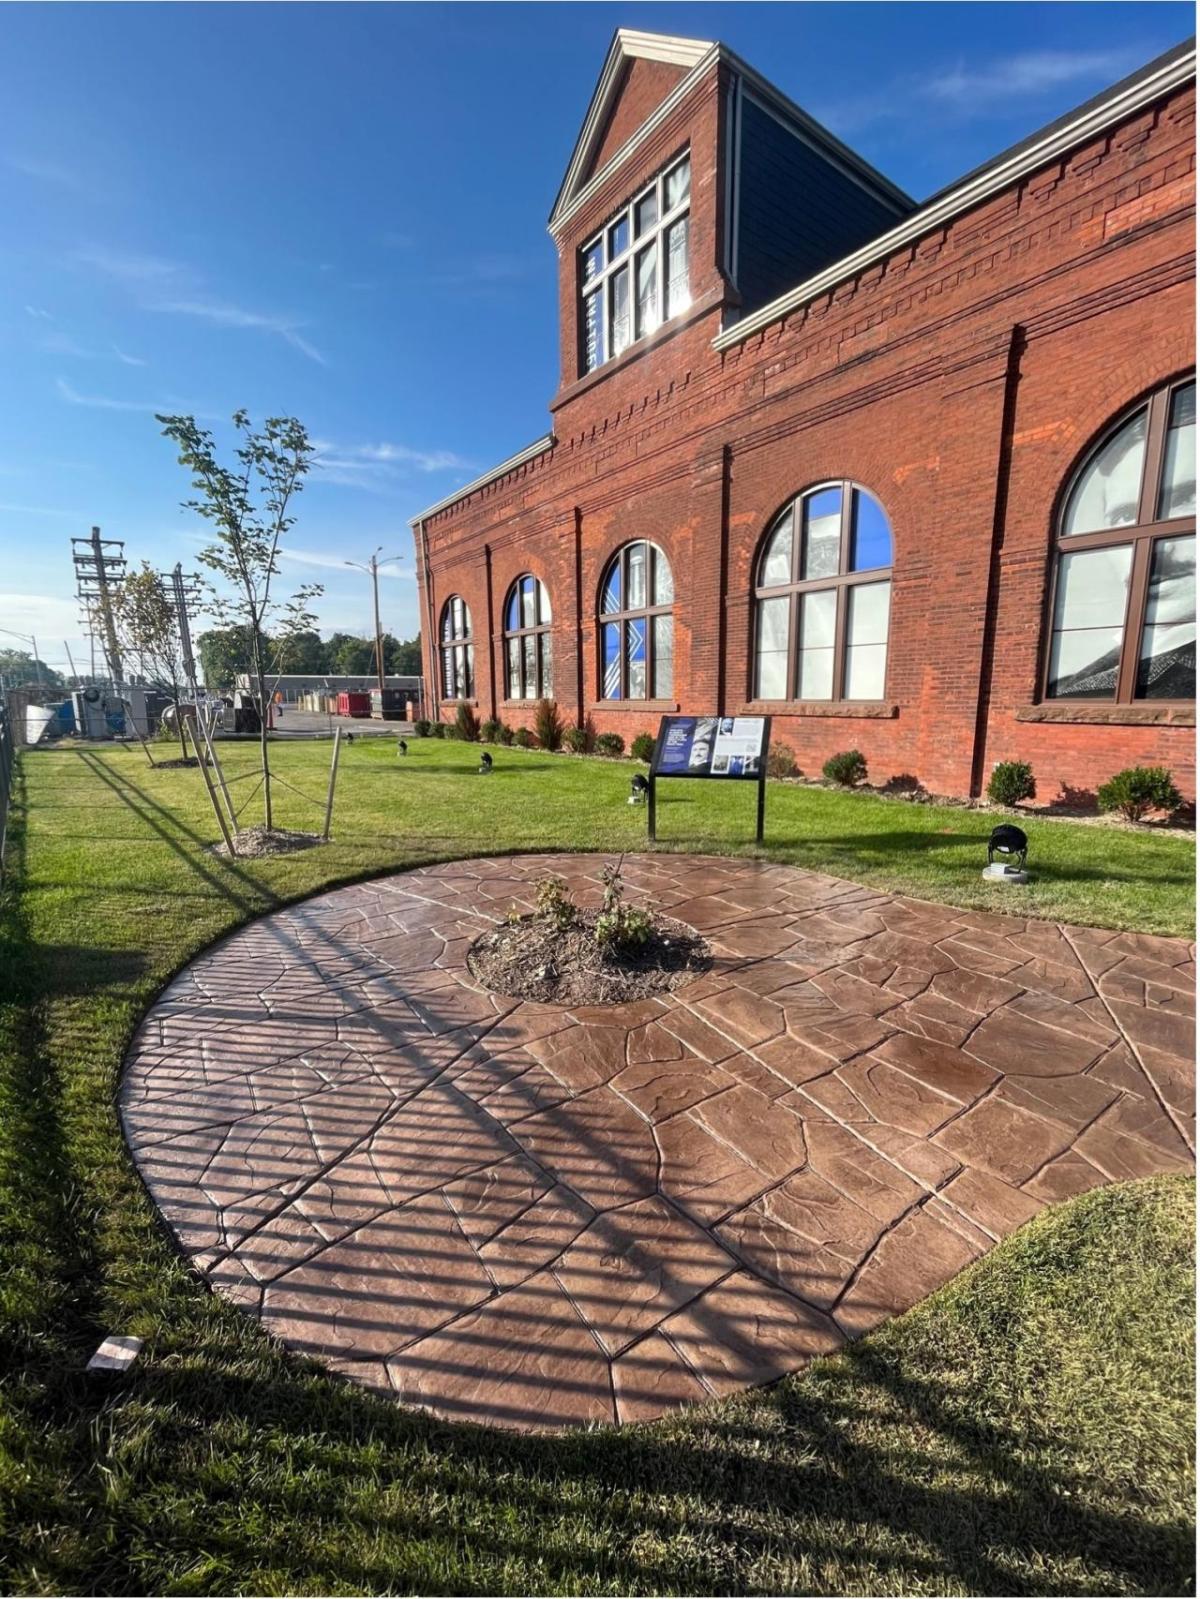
{"x":339,"y":212}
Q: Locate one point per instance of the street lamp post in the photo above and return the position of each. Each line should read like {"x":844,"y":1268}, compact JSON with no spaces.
{"x":27,"y":638}
{"x":371,"y":568}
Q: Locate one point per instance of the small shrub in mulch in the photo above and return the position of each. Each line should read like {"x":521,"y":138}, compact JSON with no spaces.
{"x":568,"y":956}
{"x":548,"y":725}
{"x":642,"y":748}
{"x":846,"y":769}
{"x":524,"y":739}
{"x":781,"y":761}
{"x":576,"y":740}
{"x":174,"y":766}
{"x":611,"y":744}
{"x":1138,"y":790}
{"x":1011,"y":782}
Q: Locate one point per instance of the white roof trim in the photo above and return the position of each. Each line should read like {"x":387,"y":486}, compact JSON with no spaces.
{"x":527,"y":454}
{"x":1027,"y":159}
{"x":627,"y":45}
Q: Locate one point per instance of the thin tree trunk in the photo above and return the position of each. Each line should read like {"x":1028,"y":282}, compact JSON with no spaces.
{"x":262,"y":744}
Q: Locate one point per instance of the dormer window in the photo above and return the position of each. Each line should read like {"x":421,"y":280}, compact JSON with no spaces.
{"x":634,"y":273}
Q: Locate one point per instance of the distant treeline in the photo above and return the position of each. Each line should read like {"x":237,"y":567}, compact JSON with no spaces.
{"x":224,"y":652}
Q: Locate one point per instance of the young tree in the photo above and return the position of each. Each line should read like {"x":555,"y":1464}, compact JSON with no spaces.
{"x":248,"y":506}
{"x":148,"y":631}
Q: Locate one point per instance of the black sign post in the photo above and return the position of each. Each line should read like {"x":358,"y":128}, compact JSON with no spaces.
{"x":720,"y":748}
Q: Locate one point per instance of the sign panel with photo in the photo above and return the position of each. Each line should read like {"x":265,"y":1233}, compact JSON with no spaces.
{"x":729,"y":747}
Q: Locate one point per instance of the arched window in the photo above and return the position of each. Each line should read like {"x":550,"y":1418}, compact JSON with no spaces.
{"x":527,"y":640}
{"x":458,"y":652}
{"x":1123,"y":609}
{"x":637,"y":632}
{"x":823,"y":598}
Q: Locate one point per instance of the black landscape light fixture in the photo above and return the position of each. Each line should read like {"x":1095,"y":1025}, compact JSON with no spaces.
{"x":1012,"y":847}
{"x":402,"y":746}
{"x":485,"y":764}
{"x":638,"y":789}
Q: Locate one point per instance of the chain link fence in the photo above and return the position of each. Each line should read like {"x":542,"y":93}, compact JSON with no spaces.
{"x":8,"y":750}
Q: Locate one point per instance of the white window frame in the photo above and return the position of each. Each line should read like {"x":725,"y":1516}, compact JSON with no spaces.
{"x":603,"y":282}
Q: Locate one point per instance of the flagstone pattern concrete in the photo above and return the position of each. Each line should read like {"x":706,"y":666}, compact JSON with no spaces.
{"x":514,"y":1214}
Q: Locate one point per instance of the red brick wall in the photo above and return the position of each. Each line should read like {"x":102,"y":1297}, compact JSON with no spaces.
{"x":959,"y":381}
{"x":644,"y":86}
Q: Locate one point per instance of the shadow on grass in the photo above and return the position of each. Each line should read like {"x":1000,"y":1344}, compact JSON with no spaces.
{"x":694,"y":1505}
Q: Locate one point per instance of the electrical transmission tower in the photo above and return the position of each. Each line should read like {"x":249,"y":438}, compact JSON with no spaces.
{"x":99,"y":569}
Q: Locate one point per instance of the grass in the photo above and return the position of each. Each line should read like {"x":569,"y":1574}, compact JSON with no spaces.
{"x":1026,"y":1431}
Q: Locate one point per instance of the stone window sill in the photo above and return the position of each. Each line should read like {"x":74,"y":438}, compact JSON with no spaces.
{"x":1163,"y":714}
{"x":875,"y":709}
{"x":664,"y":707}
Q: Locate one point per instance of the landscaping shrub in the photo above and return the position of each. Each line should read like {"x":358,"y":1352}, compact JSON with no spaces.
{"x":642,"y":748}
{"x":610,"y":744}
{"x":421,"y":727}
{"x":523,"y":739}
{"x":505,"y":735}
{"x":489,"y":732}
{"x":847,"y":768}
{"x":553,"y":900}
{"x":576,"y":740}
{"x":620,"y":928}
{"x":1011,"y":781}
{"x":438,"y":729}
{"x":548,"y":724}
{"x":466,"y":723}
{"x":780,"y":761}
{"x":1138,"y":790}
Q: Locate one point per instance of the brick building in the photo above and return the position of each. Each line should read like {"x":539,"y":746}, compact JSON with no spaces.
{"x":916,"y":479}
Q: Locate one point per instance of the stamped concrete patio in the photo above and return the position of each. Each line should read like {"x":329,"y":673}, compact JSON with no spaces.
{"x":513,"y":1214}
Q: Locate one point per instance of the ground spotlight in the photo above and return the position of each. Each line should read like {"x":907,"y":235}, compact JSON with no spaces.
{"x":402,"y":747}
{"x":1011,"y":844}
{"x":638,"y":789}
{"x":485,"y":764}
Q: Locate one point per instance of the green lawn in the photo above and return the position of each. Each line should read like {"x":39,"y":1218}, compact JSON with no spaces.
{"x":1028,"y":1430}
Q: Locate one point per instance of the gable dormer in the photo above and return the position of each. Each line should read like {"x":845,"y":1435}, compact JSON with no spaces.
{"x":696,"y":190}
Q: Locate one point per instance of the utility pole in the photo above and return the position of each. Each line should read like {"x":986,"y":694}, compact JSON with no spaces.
{"x":183,"y":589}
{"x":372,"y":570}
{"x":99,"y":568}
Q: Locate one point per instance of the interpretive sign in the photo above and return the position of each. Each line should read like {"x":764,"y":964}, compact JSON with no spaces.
{"x":731,"y":747}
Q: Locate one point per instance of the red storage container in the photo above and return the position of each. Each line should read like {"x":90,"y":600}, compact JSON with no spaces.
{"x":349,"y":704}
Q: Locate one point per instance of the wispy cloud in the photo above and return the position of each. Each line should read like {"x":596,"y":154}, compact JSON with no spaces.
{"x":223,"y":315}
{"x":44,"y":171}
{"x":131,"y":266}
{"x":485,"y":273}
{"x":338,"y":563}
{"x":127,"y":359}
{"x":102,"y":402}
{"x":39,"y":510}
{"x":60,"y":343}
{"x":377,"y":466}
{"x":39,"y":314}
{"x":964,"y":92}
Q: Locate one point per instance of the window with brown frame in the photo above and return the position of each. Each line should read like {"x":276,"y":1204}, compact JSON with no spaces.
{"x":527,"y":648}
{"x":1123,"y":602}
{"x":458,"y":652}
{"x":637,"y":626}
{"x":823,"y":598}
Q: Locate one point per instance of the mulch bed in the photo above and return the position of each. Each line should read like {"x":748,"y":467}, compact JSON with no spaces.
{"x":535,"y":958}
{"x":252,"y":842}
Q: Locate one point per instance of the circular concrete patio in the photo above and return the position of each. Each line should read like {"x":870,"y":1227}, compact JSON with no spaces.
{"x":513,"y":1214}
